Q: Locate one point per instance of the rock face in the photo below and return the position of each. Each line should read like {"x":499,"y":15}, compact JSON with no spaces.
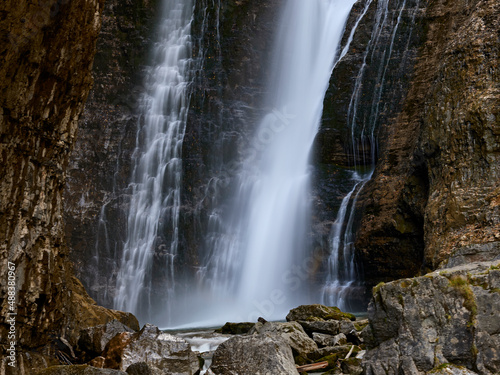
{"x":47,"y":52}
{"x":99,"y":169}
{"x":435,"y":189}
{"x":261,"y":355}
{"x":449,"y":316}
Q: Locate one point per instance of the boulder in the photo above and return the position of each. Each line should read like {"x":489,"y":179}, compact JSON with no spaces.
{"x":448,"y":316}
{"x":163,"y":353}
{"x":292,"y":333}
{"x":93,"y":340}
{"x":262,"y":354}
{"x":235,"y":328}
{"x":78,"y":370}
{"x":317,"y":312}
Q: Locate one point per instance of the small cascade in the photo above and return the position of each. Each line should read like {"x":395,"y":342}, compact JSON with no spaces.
{"x":343,"y":279}
{"x":156,"y":179}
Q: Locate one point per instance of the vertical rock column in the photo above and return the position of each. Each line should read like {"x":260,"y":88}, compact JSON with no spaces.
{"x":47,"y":50}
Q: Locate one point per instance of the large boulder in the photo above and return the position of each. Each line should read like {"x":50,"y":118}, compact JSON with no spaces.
{"x":448,"y":316}
{"x":163,"y":353}
{"x":264,"y":354}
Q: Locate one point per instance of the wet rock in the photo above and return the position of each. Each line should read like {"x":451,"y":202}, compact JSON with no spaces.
{"x":254,"y":354}
{"x":162,"y":352}
{"x":293,"y":334}
{"x":447,"y":316}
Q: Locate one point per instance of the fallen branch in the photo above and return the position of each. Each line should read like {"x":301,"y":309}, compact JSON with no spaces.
{"x":350,"y":352}
{"x":312,"y":366}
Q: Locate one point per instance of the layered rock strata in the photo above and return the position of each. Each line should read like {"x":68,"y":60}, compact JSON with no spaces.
{"x":47,"y":51}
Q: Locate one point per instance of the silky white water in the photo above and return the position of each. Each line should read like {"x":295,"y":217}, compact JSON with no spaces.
{"x":258,"y":262}
{"x":156,"y":179}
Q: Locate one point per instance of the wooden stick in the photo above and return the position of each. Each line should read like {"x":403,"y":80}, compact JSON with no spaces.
{"x":312,"y":366}
{"x":350,"y":352}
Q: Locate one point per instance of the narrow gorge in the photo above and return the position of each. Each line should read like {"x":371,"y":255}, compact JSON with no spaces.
{"x":197,"y":162}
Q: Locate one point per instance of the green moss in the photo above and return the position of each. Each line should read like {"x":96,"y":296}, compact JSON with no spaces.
{"x":333,"y":360}
{"x":340,"y":316}
{"x":405,"y":283}
{"x":462,"y":286}
{"x":376,"y":289}
{"x":495,"y":290}
{"x":360,"y":326}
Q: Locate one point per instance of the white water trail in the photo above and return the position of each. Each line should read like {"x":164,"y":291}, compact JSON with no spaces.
{"x":156,"y":179}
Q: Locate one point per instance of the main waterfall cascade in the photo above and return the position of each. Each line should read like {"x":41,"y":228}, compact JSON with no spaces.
{"x":258,"y":246}
{"x":155,"y":200}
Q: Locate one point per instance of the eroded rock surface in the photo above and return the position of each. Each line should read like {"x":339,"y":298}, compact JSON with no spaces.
{"x":448,"y":316}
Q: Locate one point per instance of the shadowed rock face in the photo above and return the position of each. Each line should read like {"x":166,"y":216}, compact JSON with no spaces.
{"x":47,"y":52}
{"x":435,"y":189}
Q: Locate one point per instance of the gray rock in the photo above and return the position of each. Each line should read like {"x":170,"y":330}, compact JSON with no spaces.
{"x":262,"y":354}
{"x":328,"y":340}
{"x":449,"y":316}
{"x":329,"y":327}
{"x":78,"y":370}
{"x":474,"y":253}
{"x":163,"y":353}
{"x":453,"y":370}
{"x":293,"y":334}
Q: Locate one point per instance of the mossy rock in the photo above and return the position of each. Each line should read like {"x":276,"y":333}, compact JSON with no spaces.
{"x":333,"y":360}
{"x":361,"y":324}
{"x":235,"y":328}
{"x":79,"y":370}
{"x":352,"y":366}
{"x":318,"y":312}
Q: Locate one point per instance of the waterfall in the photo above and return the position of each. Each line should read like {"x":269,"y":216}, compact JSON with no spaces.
{"x":156,"y":179}
{"x":259,"y":247}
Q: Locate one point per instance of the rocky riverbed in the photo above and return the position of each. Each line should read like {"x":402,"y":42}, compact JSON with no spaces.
{"x":445,"y":322}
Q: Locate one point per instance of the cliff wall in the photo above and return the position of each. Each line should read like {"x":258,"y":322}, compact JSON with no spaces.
{"x":47,"y":51}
